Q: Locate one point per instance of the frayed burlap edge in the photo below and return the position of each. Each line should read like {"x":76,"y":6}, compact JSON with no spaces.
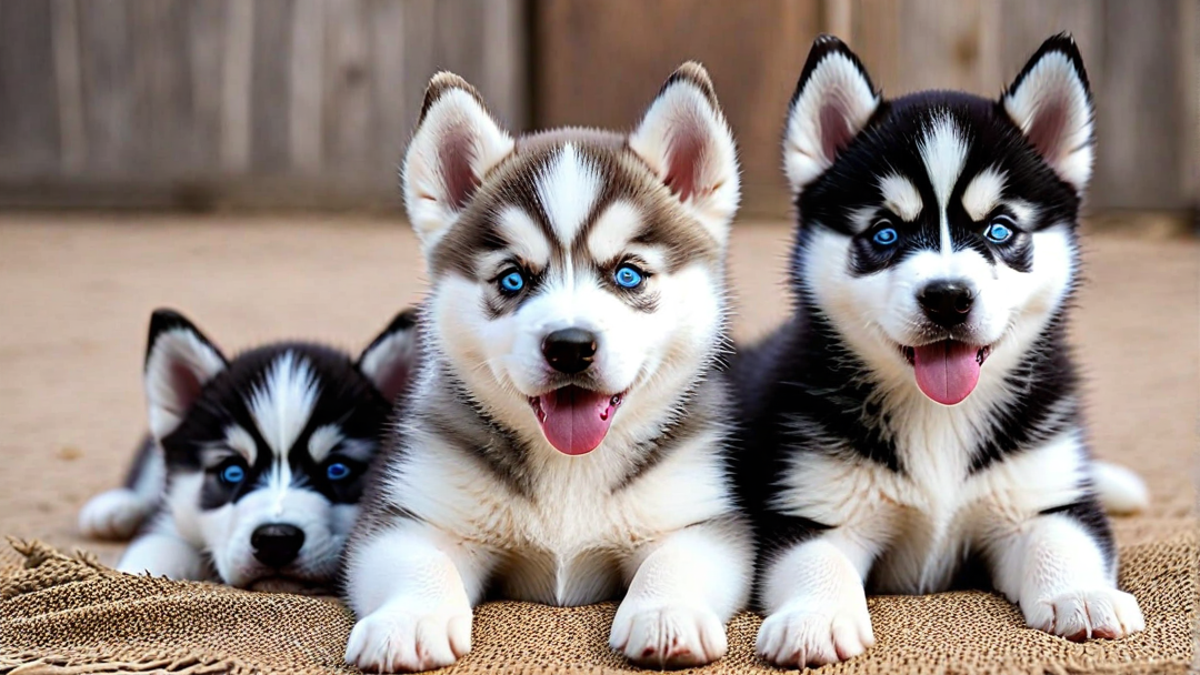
{"x":180,"y":662}
{"x":99,"y":662}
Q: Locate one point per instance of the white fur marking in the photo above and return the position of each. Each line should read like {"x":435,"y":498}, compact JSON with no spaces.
{"x":323,"y":440}
{"x":240,"y":440}
{"x":284,"y":401}
{"x":901,"y":196}
{"x":943,"y":151}
{"x":1026,"y":212}
{"x":615,"y":227}
{"x":524,"y":237}
{"x":567,"y":190}
{"x":983,"y":193}
{"x":281,"y":407}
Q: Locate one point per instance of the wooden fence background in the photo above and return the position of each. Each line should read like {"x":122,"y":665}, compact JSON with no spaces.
{"x":308,"y":103}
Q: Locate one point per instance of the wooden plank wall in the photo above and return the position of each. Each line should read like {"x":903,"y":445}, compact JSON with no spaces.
{"x":263,"y":102}
{"x":1139,"y":59}
{"x":599,"y":60}
{"x":600,"y":63}
{"x":310,"y":102}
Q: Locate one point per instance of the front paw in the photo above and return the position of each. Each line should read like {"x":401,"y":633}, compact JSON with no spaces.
{"x":396,"y":639}
{"x":1081,"y":615}
{"x":114,"y":515}
{"x":668,"y":636}
{"x":803,"y":634}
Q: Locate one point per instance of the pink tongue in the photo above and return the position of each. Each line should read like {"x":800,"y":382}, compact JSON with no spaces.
{"x":947,"y":371}
{"x":575,"y":420}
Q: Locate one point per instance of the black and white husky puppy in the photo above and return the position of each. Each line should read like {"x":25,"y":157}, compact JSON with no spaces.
{"x":254,"y":466}
{"x":920,"y":409}
{"x":567,"y":435}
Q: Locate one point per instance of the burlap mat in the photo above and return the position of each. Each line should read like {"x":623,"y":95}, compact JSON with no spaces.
{"x":69,"y":614}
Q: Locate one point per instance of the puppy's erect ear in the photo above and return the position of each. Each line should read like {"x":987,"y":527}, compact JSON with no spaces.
{"x":685,"y":139}
{"x":1051,"y":104}
{"x":179,"y":362}
{"x":391,"y":357}
{"x":833,"y":101}
{"x":455,"y":144}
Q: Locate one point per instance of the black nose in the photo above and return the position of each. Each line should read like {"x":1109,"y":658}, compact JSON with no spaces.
{"x":570,"y":350}
{"x":276,"y":545}
{"x":946,"y":303}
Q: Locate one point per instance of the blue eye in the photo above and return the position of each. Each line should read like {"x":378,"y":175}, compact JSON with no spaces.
{"x":886,"y":237}
{"x":337,"y":471}
{"x":512,"y":282}
{"x":997,"y":232}
{"x":627,"y":276}
{"x":233,"y":474}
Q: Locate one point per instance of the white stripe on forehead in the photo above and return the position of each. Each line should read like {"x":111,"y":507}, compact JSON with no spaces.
{"x":943,"y":151}
{"x":983,"y":193}
{"x":283,"y":402}
{"x":523,"y":235}
{"x":901,"y":196}
{"x":567,"y":189}
{"x":615,"y":226}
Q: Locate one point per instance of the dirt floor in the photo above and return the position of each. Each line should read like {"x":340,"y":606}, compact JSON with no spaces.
{"x":76,"y":292}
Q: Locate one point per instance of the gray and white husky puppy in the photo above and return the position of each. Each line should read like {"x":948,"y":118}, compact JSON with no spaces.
{"x":254,"y":465}
{"x":920,"y":410}
{"x":567,"y":435}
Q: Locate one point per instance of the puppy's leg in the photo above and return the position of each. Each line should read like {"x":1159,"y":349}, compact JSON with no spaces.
{"x":412,"y":590}
{"x":163,"y":552}
{"x":1060,"y":567}
{"x":816,"y":607}
{"x":117,"y":514}
{"x":684,"y":589}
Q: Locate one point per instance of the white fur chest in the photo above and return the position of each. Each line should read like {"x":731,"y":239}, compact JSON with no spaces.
{"x":574,"y":538}
{"x":921,"y":522}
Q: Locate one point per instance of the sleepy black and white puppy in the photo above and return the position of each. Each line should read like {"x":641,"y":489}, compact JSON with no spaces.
{"x":254,"y":465}
{"x":920,"y":410}
{"x":567,"y":436}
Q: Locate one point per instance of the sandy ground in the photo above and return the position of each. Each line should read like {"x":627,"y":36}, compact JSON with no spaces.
{"x":76,"y":292}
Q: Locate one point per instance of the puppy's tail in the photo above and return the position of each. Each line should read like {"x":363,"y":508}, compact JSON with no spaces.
{"x":1121,"y":491}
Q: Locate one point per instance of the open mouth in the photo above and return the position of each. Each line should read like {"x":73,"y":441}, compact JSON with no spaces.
{"x":575,"y":420}
{"x":948,"y":370}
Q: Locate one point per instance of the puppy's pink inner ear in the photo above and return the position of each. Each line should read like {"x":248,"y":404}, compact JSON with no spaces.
{"x":1047,"y":129}
{"x":685,"y":159}
{"x":456,"y":155}
{"x":184,"y":384}
{"x":835,"y":129}
{"x":393,"y":382}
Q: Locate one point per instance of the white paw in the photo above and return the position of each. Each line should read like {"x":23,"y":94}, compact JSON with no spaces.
{"x":804,"y":634}
{"x":116,"y":514}
{"x":668,"y":636}
{"x":1082,"y":615}
{"x":393,"y":640}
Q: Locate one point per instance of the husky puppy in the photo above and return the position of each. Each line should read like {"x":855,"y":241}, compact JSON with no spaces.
{"x":254,"y":465}
{"x":568,"y":430}
{"x":920,"y":409}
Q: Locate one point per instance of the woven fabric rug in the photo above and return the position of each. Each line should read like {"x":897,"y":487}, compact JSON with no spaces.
{"x":69,"y":614}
